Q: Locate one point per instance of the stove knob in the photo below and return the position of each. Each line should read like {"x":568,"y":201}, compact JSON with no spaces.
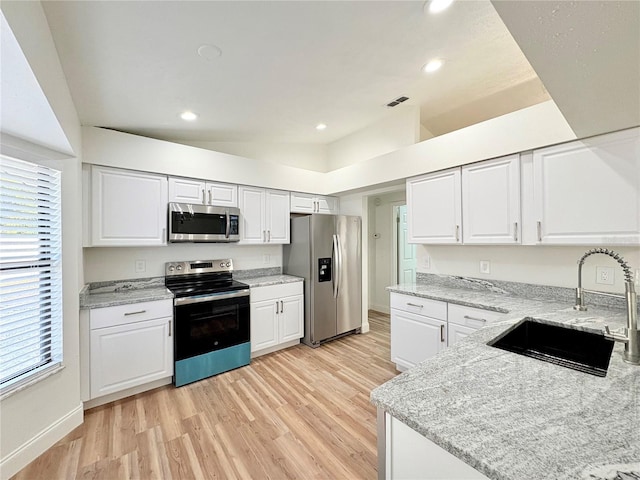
{"x":228,"y":264}
{"x":179,"y":267}
{"x":172,"y":268}
{"x":222,"y":264}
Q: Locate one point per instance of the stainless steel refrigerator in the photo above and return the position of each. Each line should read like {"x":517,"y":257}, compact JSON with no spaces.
{"x":326,"y":250}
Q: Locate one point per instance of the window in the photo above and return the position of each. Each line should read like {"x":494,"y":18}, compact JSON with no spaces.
{"x":30,"y":272}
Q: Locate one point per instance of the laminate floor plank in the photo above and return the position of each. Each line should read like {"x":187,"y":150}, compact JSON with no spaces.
{"x":299,"y":413}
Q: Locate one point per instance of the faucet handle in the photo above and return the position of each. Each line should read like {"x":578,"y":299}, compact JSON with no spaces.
{"x":616,"y":336}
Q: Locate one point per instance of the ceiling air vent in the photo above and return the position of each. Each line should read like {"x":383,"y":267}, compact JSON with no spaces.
{"x":397,"y":101}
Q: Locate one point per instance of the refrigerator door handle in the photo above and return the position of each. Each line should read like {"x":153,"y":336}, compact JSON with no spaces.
{"x":336,"y":265}
{"x":338,"y":269}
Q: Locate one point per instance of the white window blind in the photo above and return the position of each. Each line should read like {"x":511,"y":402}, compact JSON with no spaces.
{"x":30,"y":272}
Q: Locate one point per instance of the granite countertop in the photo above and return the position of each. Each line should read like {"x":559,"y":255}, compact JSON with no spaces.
{"x":267,"y":280}
{"x":123,"y":292}
{"x":513,"y":417}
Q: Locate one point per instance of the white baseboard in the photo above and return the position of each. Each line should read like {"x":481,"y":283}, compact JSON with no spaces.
{"x":36,"y":446}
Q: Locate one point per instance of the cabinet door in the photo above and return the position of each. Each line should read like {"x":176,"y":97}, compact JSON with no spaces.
{"x":252,"y":203}
{"x":302,"y":203}
{"x":458,"y":332}
{"x":222,"y":194}
{"x":491,"y":201}
{"x":411,"y":455}
{"x":128,"y":208}
{"x":327,"y":205}
{"x":588,"y":192}
{"x":415,"y":338}
{"x":264,"y":324}
{"x":277,"y":216}
{"x":128,"y":355}
{"x":184,"y":190}
{"x":434,"y":208}
{"x":291,"y":321}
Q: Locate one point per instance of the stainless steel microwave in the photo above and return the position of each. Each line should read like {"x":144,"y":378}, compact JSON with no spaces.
{"x":203,"y":223}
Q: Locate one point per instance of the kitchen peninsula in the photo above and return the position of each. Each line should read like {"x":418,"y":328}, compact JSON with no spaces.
{"x":509,"y":416}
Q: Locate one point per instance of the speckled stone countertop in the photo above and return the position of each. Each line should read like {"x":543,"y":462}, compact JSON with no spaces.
{"x":512,"y":417}
{"x":270,"y":280}
{"x":123,"y":292}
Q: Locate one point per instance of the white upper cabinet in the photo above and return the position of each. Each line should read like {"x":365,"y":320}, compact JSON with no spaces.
{"x":434,"y":208}
{"x":491,"y":201}
{"x":265,"y":215}
{"x":308,"y":203}
{"x":127,"y":208}
{"x":199,"y":192}
{"x":588,"y":192}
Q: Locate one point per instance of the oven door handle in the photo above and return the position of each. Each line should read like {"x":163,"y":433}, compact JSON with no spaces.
{"x":210,"y":297}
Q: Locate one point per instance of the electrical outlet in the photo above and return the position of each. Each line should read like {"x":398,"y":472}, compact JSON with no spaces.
{"x":266,"y":259}
{"x":141,"y":266}
{"x":605,"y":275}
{"x":427,"y":262}
{"x":485,"y":266}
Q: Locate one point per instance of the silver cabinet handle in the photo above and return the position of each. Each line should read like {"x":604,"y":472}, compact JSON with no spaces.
{"x":134,"y":313}
{"x":539,"y":231}
{"x":281,"y":307}
{"x":415,"y":305}
{"x":268,"y":236}
{"x":475,"y":318}
{"x":169,"y":327}
{"x":277,"y":310}
{"x":442,"y":333}
{"x":204,"y":201}
{"x":515,"y":231}
{"x":210,"y":199}
{"x":457,"y":233}
{"x":264,"y":236}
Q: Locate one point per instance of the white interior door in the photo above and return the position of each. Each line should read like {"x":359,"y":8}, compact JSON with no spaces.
{"x":406,"y":253}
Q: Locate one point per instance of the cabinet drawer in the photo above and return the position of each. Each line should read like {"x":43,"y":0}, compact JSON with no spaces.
{"x":420,"y":306}
{"x":134,"y":312}
{"x":271,"y":292}
{"x":471,"y":317}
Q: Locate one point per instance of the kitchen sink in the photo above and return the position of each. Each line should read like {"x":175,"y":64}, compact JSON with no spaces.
{"x":571,"y":348}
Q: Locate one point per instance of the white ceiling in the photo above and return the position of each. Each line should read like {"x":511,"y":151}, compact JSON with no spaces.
{"x":285,"y":66}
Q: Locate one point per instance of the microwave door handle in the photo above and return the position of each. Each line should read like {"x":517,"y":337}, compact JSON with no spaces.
{"x":228,"y":226}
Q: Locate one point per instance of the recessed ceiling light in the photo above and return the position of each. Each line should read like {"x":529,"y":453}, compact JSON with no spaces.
{"x":209,"y":52}
{"x":437,"y":6}
{"x":321,"y":126}
{"x":433,"y":65}
{"x":188,"y":116}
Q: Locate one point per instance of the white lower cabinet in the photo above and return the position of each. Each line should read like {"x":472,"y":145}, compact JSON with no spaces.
{"x":130,"y":345}
{"x":410,"y":455}
{"x":418,"y":329}
{"x":421,"y":328}
{"x":277,"y":317}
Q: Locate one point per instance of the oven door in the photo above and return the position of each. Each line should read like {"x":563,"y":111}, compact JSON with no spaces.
{"x":202,"y":223}
{"x":206,"y":324}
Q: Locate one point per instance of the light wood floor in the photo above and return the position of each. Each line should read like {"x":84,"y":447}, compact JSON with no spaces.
{"x":298,"y":413}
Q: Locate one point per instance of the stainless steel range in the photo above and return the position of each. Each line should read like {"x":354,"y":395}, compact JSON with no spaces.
{"x":211,"y":314}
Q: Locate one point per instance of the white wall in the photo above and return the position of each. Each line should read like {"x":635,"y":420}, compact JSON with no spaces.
{"x":539,"y":265}
{"x":398,"y":129}
{"x":526,"y":129}
{"x":306,"y":156}
{"x":103,"y":264}
{"x":382,"y":223}
{"x":123,"y":150}
{"x":33,"y":419}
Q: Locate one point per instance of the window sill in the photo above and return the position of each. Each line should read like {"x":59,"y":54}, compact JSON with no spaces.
{"x":32,"y":380}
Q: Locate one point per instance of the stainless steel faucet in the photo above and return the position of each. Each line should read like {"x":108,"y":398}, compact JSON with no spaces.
{"x":631,"y":338}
